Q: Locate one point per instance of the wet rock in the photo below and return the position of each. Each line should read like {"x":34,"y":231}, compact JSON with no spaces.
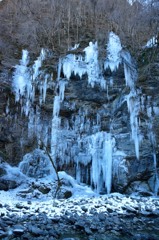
{"x":19,"y":205}
{"x":84,"y":208}
{"x":36,"y":164}
{"x":3,"y":187}
{"x":64,"y":193}
{"x":3,"y":234}
{"x":7,"y":184}
{"x":44,"y":189}
{"x":2,"y":172}
{"x":36,"y":231}
{"x":18,"y":231}
{"x":102,"y":216}
{"x":88,"y":230}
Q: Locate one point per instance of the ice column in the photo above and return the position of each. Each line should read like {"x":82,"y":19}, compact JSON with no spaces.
{"x":80,"y":65}
{"x":133,"y":98}
{"x":133,"y":104}
{"x":113,"y":52}
{"x":21,"y":77}
{"x":152,"y":138}
{"x":115,"y":56}
{"x":26,"y":80}
{"x":101,"y":149}
{"x":56,"y":121}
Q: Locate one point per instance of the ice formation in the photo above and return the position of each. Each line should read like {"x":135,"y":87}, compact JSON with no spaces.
{"x":36,"y":164}
{"x":152,"y":42}
{"x":152,"y":138}
{"x":56,"y":119}
{"x":134,"y":107}
{"x":133,"y":98}
{"x":21,"y":78}
{"x":113,"y":52}
{"x":90,"y":149}
{"x":115,"y":56}
{"x":79,"y":65}
{"x":26,"y":80}
{"x":101,"y":150}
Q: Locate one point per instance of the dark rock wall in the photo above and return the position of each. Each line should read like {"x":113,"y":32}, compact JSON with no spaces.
{"x":88,"y":104}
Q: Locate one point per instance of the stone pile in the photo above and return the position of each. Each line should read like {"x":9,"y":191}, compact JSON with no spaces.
{"x":106,"y":217}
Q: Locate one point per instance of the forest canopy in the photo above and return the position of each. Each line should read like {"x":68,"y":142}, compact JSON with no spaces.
{"x":59,"y":24}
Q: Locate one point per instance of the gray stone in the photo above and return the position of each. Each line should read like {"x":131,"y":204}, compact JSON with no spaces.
{"x":36,"y":231}
{"x":3,"y":234}
{"x":2,"y":172}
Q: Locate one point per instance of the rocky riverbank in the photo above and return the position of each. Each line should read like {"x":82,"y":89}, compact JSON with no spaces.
{"x":105,"y":217}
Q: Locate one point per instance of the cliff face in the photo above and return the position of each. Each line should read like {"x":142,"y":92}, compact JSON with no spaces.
{"x":100,"y":124}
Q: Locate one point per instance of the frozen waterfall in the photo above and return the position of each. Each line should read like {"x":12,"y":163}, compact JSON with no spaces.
{"x":101,"y":148}
{"x":21,"y":78}
{"x":113,"y":52}
{"x":88,"y":64}
{"x":81,"y":140}
{"x":56,"y":119}
{"x":116,"y":56}
{"x":26,"y":80}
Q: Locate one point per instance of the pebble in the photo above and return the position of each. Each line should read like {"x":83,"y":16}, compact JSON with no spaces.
{"x":86,"y":217}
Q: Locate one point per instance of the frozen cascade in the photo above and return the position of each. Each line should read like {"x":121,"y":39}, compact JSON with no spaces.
{"x":133,"y":98}
{"x":21,"y":77}
{"x":156,"y":188}
{"x":38,"y":63}
{"x":130,"y":69}
{"x":25,"y":80}
{"x":56,"y":121}
{"x":85,"y":65}
{"x":115,"y":56}
{"x":80,"y":141}
{"x":152,"y":138}
{"x":101,"y":148}
{"x":133,"y":103}
{"x":113,"y":52}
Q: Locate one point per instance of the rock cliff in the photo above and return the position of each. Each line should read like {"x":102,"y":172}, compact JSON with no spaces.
{"x":99,"y":119}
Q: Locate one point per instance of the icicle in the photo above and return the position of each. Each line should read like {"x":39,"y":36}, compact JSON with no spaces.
{"x":62,"y":85}
{"x":7,"y":107}
{"x":59,"y":69}
{"x":91,"y":59}
{"x":113,"y":52}
{"x":38,"y":63}
{"x":130,"y":69}
{"x":107,"y":156}
{"x":101,"y":149}
{"x":90,"y":66}
{"x":56,"y":121}
{"x":56,"y":108}
{"x":21,"y":77}
{"x":68,"y":64}
{"x":152,"y":139}
{"x":76,"y":46}
{"x":25,"y":58}
{"x":156,"y":188}
{"x":133,"y":104}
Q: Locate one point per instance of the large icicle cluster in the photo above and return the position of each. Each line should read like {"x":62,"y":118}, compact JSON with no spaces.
{"x":80,"y":139}
{"x":56,"y":121}
{"x":101,"y":149}
{"x":115,"y":56}
{"x":133,"y":98}
{"x":21,"y":78}
{"x":26,"y":80}
{"x":79,"y":65}
{"x":113,"y":52}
